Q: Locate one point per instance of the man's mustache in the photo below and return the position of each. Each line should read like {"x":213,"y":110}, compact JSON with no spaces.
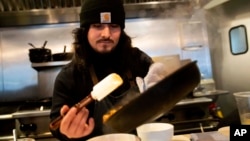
{"x":105,"y":40}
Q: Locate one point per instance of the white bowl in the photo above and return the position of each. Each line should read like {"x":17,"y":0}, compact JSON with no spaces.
{"x":115,"y":137}
{"x":26,"y":139}
{"x":155,"y":131}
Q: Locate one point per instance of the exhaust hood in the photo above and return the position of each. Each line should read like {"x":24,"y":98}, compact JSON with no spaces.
{"x":34,"y":12}
{"x":37,"y":12}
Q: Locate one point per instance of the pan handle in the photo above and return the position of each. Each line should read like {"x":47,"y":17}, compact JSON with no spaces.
{"x":84,"y":102}
{"x":44,"y":44}
{"x":31,"y":45}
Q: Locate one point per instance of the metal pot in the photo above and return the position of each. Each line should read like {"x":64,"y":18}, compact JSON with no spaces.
{"x":64,"y":56}
{"x":38,"y":55}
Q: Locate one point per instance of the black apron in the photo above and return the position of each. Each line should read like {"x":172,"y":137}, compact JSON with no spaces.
{"x":109,"y":102}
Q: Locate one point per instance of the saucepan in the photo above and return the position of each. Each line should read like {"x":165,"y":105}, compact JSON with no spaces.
{"x":38,"y":55}
{"x":155,"y":101}
{"x":64,"y":56}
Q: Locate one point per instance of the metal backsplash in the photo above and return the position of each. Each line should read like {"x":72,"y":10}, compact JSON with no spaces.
{"x":19,"y":79}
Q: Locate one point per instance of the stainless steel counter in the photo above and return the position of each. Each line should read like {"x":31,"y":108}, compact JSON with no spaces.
{"x":25,"y":114}
{"x":36,"y":113}
{"x":210,"y":93}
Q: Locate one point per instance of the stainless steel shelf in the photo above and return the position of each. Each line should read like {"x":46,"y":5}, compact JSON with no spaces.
{"x":50,"y":64}
{"x":6,"y":116}
{"x":210,"y":93}
{"x":6,"y":138}
{"x":31,"y":113}
{"x":194,"y":100}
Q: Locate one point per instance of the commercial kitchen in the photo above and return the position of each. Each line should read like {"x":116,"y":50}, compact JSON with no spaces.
{"x":196,"y":30}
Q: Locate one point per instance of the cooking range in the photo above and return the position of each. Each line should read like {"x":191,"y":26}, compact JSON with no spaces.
{"x":29,"y":119}
{"x":32,"y":119}
{"x":192,"y":115}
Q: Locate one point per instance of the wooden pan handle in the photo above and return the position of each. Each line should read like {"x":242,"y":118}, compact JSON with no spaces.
{"x":84,"y":102}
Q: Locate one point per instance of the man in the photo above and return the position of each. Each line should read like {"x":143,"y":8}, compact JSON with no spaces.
{"x":101,"y":47}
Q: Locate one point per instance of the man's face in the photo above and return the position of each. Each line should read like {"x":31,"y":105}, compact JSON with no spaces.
{"x":103,"y":38}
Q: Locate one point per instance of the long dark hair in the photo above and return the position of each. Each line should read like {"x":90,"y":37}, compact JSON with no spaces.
{"x":84,"y":52}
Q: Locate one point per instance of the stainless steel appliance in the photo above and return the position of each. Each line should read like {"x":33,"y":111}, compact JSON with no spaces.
{"x":192,"y":114}
{"x":32,"y":120}
{"x":196,"y":113}
{"x":29,"y":119}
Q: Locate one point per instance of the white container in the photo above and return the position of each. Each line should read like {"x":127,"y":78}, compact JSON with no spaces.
{"x":115,"y":137}
{"x":243,"y":104}
{"x":155,"y":132}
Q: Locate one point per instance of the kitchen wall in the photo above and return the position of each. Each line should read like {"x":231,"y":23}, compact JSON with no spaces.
{"x":231,"y":72}
{"x":156,"y":36}
{"x":20,"y":80}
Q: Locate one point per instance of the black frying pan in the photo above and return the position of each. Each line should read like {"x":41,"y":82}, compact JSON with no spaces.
{"x":157,"y":100}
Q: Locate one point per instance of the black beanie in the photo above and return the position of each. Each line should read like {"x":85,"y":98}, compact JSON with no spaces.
{"x":102,"y":11}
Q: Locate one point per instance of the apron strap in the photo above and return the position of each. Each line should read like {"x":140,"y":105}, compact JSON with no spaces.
{"x":93,"y":75}
{"x":130,"y":78}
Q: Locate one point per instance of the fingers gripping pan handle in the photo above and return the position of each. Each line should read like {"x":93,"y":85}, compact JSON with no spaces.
{"x":155,"y":101}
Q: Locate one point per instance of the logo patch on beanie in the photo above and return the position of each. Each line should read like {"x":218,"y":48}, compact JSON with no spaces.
{"x":105,"y":17}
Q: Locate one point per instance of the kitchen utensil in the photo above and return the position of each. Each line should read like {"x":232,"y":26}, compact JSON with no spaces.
{"x":100,"y":90}
{"x":32,"y":45}
{"x":155,"y":101}
{"x":243,"y":105}
{"x":44,"y":44}
{"x":62,"y":56}
{"x":38,"y":55}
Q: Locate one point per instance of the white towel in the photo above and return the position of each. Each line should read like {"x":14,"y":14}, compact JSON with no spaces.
{"x":157,"y":72}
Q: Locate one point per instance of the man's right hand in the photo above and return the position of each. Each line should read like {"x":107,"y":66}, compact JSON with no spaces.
{"x":75,"y":124}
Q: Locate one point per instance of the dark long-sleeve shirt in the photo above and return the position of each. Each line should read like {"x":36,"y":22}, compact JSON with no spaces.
{"x":72,"y":85}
